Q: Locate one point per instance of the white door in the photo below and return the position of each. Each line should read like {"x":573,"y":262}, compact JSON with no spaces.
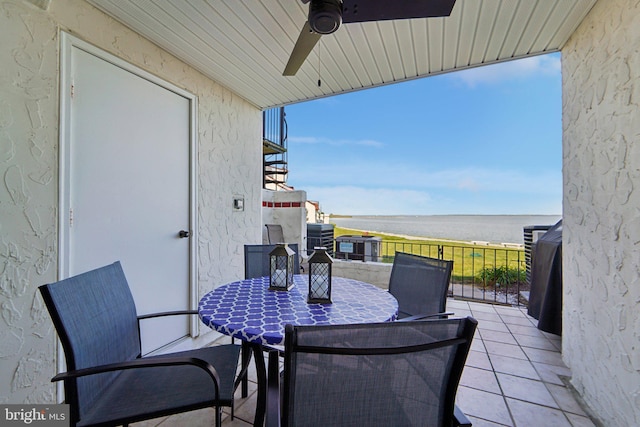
{"x":129,"y":187}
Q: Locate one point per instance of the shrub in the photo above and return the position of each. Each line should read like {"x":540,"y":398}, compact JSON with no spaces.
{"x":501,"y":276}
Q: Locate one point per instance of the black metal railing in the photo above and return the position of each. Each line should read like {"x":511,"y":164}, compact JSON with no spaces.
{"x":274,"y":128}
{"x":274,"y":137}
{"x":486,"y":273}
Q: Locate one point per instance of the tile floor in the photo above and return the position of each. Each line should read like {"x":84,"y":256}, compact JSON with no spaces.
{"x":514,"y":376}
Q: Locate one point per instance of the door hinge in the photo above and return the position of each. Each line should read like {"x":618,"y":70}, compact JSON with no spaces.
{"x":70,"y":217}
{"x":72,"y":91}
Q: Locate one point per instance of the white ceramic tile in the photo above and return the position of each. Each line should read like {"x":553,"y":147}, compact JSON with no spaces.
{"x":480,"y":307}
{"x":503,"y":337}
{"x":479,"y":422}
{"x":516,"y":320}
{"x":511,"y":311}
{"x":544,"y":356}
{"x":477,"y":344}
{"x":199,"y":418}
{"x":481,"y":316}
{"x":551,"y":373}
{"x":513,"y":366}
{"x":482,"y":404}
{"x":480,"y":379}
{"x":505,"y":349}
{"x":565,"y":399}
{"x":478,"y":359}
{"x":526,"y":389}
{"x":528,"y":414}
{"x":453,"y":303}
{"x":525,"y":330}
{"x":492,"y":326}
{"x":579,"y":420}
{"x":149,"y":423}
{"x":535,"y":342}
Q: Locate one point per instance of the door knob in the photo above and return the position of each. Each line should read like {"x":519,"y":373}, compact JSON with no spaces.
{"x":184,"y":234}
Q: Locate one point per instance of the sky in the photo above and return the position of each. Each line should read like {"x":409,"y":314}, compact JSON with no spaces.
{"x":487,"y":140}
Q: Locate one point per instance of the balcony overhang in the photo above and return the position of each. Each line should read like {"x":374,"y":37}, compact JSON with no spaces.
{"x":245,"y":45}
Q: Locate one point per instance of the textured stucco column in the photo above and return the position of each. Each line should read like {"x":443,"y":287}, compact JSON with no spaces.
{"x":28,"y":199}
{"x":229,"y":161}
{"x":601,"y":236}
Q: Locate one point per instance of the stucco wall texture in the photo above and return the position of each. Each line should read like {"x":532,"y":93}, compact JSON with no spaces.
{"x":228,"y":160}
{"x":601,"y":209}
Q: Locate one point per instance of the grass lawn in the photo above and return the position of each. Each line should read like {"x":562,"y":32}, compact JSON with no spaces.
{"x":468,"y":260}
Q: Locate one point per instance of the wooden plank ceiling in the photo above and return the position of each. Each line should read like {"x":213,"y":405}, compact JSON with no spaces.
{"x":245,"y":44}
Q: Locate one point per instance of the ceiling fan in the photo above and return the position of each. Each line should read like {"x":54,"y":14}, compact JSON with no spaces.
{"x":325,"y":17}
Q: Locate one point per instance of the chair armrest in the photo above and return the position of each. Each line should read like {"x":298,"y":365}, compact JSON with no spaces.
{"x":273,"y":390}
{"x":167,"y":313}
{"x":268,"y":348}
{"x":459,"y":418}
{"x":150,"y":362}
{"x":425,"y":316}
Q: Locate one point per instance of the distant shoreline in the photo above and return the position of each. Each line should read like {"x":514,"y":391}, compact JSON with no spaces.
{"x":438,"y":239}
{"x":437,"y":215}
{"x":499,"y":230}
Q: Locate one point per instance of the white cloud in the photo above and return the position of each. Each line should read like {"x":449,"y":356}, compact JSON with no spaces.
{"x":356,"y":200}
{"x":410,"y":177}
{"x":510,"y":70}
{"x":404,"y":190}
{"x":334,"y":142}
{"x":508,"y":181}
{"x":304,"y":139}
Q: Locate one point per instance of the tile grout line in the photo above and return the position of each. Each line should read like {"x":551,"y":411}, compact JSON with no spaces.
{"x":544,"y":383}
{"x":531,"y":362}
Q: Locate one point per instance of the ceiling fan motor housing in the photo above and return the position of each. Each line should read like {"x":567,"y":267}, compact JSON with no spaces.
{"x":325,"y":16}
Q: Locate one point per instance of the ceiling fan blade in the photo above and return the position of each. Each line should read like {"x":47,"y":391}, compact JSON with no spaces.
{"x":382,"y":10}
{"x":304,"y":45}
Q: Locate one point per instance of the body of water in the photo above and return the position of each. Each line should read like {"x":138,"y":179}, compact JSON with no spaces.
{"x":487,"y":228}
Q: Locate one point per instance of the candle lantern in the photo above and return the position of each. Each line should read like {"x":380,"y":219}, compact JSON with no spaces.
{"x":320,"y":276}
{"x":281,"y":262}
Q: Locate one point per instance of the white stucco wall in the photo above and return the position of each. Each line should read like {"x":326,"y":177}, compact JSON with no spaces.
{"x":376,"y":273}
{"x":601,"y":236}
{"x":229,"y":161}
{"x":287,"y":208}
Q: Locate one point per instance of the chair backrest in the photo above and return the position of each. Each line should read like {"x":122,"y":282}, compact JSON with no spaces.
{"x":274,"y":233}
{"x":380,"y":374}
{"x":95,"y":317}
{"x":256,"y":260}
{"x":420,"y":284}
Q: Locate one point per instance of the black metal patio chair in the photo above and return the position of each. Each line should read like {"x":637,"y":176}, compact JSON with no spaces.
{"x":420,"y":284}
{"x":108,"y":382}
{"x":383,"y":374}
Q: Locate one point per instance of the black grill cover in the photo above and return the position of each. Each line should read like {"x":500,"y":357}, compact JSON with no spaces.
{"x":545,"y":298}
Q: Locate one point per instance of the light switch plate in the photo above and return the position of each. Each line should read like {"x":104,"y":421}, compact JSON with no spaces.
{"x":238,"y":204}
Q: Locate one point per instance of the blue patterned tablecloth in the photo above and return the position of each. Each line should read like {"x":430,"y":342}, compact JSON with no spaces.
{"x":248,"y":310}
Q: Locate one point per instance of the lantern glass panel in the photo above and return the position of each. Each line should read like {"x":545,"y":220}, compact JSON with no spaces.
{"x":320,"y":276}
{"x":281,"y":268}
{"x":319,"y":282}
{"x":290,"y":264}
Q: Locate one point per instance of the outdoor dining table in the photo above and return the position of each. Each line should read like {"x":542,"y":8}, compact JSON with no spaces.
{"x":248,"y":310}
